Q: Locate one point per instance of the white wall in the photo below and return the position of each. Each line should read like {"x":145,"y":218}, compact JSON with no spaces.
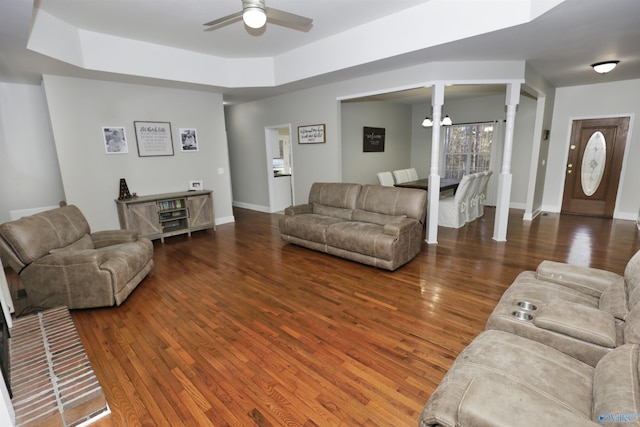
{"x":79,"y":108}
{"x":361,"y":167}
{"x":29,"y":173}
{"x":586,"y":102}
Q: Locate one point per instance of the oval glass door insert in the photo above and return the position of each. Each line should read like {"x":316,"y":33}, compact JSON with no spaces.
{"x":593,"y":162}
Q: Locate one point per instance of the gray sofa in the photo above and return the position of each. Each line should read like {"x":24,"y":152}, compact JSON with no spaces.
{"x":570,"y":357}
{"x":370,"y":224}
{"x":61,"y":263}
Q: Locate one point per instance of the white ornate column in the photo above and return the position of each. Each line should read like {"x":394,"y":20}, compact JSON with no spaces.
{"x":505,"y":178}
{"x":433,"y":195}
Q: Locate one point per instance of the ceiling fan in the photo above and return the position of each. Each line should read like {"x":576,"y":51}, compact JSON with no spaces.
{"x":255,"y":15}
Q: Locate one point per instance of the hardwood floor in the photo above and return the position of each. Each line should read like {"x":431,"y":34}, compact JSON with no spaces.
{"x":236,"y":328}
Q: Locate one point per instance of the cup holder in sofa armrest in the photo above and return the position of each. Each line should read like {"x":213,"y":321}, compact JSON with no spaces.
{"x":526,"y":305}
{"x":522,"y":315}
{"x":578,"y":321}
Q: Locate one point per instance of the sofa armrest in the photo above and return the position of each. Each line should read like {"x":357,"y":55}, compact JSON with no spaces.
{"x":499,"y":401}
{"x":399,"y":226}
{"x":306,"y":208}
{"x":578,"y":321}
{"x":71,"y":258}
{"x":113,"y":237}
{"x":591,"y":281}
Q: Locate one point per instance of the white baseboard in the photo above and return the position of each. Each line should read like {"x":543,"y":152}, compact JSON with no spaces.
{"x":252,"y":207}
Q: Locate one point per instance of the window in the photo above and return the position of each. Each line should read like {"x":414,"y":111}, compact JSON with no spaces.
{"x":467,"y":149}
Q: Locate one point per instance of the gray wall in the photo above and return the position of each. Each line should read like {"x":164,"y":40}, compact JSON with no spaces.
{"x":29,"y":172}
{"x":322,"y":104}
{"x":79,"y":108}
{"x":586,"y":102}
{"x":361,"y":167}
{"x":481,"y":109}
{"x":311,"y":162}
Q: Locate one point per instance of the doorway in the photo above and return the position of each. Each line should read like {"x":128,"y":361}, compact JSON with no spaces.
{"x":596,"y":153}
{"x":279,"y":167}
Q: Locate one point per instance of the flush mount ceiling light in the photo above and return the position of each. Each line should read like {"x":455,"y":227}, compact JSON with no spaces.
{"x":605,"y":66}
{"x":253,"y":14}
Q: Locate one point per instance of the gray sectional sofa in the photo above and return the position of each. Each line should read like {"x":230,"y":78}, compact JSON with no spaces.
{"x":370,"y":224}
{"x":562,"y":347}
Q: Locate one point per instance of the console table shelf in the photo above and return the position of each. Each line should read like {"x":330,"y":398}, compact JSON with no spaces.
{"x":164,"y":215}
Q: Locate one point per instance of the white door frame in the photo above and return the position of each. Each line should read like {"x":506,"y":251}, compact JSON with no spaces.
{"x":271,"y":135}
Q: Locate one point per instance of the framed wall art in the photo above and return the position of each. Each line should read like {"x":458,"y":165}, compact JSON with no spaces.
{"x":154,"y":139}
{"x":188,"y":140}
{"x":311,"y":134}
{"x":195,"y":185}
{"x":115,"y":141}
{"x":373,"y":140}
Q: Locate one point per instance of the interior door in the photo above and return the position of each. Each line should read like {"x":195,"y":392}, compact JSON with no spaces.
{"x":593,"y":166}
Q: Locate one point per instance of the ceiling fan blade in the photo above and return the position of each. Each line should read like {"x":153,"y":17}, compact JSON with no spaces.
{"x":288,"y":19}
{"x":224,"y":19}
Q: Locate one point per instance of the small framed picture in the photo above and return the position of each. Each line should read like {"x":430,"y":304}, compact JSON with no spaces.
{"x":373,"y":139}
{"x":188,"y":139}
{"x":115,"y":141}
{"x":195,"y":185}
{"x":311,"y":134}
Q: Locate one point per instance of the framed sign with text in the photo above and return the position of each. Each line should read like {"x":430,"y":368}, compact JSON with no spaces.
{"x":311,"y":134}
{"x":373,"y":140}
{"x":154,"y":139}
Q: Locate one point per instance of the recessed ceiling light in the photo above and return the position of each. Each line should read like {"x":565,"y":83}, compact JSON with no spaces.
{"x":604,"y":67}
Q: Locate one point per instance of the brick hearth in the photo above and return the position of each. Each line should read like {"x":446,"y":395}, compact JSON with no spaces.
{"x":52,"y":380}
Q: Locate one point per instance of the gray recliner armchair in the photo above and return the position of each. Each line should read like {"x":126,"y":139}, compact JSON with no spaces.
{"x":61,"y":263}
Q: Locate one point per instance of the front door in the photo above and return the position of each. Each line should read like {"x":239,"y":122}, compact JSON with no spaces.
{"x":593,"y":166}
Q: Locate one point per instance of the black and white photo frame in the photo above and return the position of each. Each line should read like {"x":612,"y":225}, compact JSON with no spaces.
{"x":115,"y":140}
{"x":188,"y":140}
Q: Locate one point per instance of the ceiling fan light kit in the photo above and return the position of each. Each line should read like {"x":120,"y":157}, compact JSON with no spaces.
{"x":253,"y":13}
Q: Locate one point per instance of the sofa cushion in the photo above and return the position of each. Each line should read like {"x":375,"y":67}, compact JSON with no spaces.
{"x":310,"y":227}
{"x":544,"y":376}
{"x":527,"y":287}
{"x":361,"y":237}
{"x":337,"y":195}
{"x":632,"y":280}
{"x":32,"y":237}
{"x":85,"y":242}
{"x":616,"y":386}
{"x":375,"y":217}
{"x":632,"y":327}
{"x":340,"y":213}
{"x":125,"y":260}
{"x":578,"y":321}
{"x":393,"y":201}
{"x":614,"y":300}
